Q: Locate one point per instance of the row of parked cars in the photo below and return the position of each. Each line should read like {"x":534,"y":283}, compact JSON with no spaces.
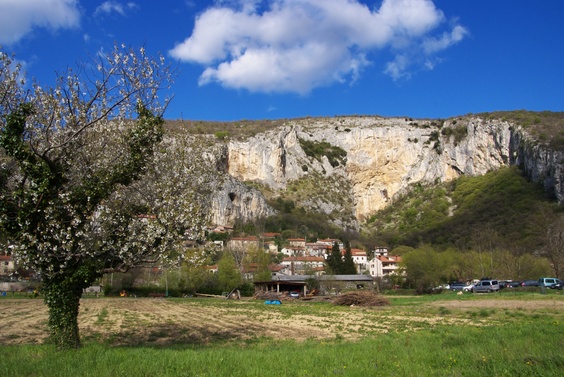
{"x":492,"y":285}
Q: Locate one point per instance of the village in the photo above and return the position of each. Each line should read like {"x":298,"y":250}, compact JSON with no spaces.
{"x":299,"y":260}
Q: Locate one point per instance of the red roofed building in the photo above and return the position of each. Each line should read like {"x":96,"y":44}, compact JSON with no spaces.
{"x":384,"y":265}
{"x":360,"y":259}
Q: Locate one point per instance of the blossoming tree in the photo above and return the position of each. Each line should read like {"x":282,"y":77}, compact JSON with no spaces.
{"x":72,"y":160}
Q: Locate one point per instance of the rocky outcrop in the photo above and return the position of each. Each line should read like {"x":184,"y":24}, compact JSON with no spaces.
{"x":384,"y":156}
{"x":236,"y":201}
{"x":540,"y":163}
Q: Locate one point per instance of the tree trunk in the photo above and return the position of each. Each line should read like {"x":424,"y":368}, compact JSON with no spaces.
{"x":62,"y":297}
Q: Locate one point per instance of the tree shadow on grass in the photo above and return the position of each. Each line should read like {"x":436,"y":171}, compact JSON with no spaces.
{"x":170,"y":335}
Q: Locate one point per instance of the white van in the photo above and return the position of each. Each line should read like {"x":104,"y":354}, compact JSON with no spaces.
{"x":547,"y":282}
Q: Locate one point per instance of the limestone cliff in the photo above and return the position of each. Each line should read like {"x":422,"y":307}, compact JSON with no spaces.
{"x":384,"y":156}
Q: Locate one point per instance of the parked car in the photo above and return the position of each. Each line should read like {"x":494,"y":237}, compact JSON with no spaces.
{"x":511,"y":284}
{"x":468,"y":288}
{"x":530,"y":283}
{"x":548,"y":282}
{"x":559,"y":285}
{"x":457,"y":286}
{"x":295,"y":294}
{"x":486,"y":286}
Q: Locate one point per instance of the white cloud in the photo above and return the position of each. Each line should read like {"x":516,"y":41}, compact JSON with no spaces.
{"x":397,"y":68}
{"x":108,"y":7}
{"x":298,"y":45}
{"x":18,"y":18}
{"x":434,"y":45}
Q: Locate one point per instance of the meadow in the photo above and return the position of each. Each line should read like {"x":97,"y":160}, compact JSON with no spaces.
{"x":509,"y":333}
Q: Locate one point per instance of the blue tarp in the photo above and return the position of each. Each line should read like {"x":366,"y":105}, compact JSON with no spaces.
{"x":273,"y":302}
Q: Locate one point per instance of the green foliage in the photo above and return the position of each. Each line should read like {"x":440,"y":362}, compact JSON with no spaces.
{"x":62,"y":295}
{"x":334,"y":261}
{"x":449,"y":214}
{"x":348,"y":263}
{"x":339,"y":264}
{"x":221,"y":135}
{"x":425,"y":267}
{"x":336,"y":155}
{"x":228,"y":274}
{"x":237,"y":129}
{"x":212,"y":236}
{"x":458,"y":132}
{"x":258,"y":261}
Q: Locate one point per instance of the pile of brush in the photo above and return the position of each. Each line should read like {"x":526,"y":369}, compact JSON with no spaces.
{"x":361,"y":298}
{"x":270,"y":296}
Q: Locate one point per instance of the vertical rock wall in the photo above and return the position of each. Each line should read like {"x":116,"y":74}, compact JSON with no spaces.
{"x":385,"y":156}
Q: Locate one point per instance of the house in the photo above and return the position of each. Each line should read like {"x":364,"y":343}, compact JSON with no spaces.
{"x":243,"y":243}
{"x":250,"y":269}
{"x":381,"y":251}
{"x":316,"y":249}
{"x":360,"y":259}
{"x":297,"y":242}
{"x":299,"y":265}
{"x":293,"y":251}
{"x":329,"y":242}
{"x":268,"y":241}
{"x":7,"y":265}
{"x":382,"y":266}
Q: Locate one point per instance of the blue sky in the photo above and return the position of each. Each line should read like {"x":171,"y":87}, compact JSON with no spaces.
{"x":270,"y":59}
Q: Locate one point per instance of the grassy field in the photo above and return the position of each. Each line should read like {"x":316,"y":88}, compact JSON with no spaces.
{"x":506,"y":334}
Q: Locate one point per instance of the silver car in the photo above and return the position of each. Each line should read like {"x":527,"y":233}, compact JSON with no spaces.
{"x":486,"y":286}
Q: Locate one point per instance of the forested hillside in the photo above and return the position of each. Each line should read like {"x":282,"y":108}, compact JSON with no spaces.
{"x":501,"y":204}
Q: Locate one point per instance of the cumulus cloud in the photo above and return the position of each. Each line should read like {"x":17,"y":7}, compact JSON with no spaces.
{"x":108,"y":7}
{"x":298,"y":45}
{"x":18,"y":18}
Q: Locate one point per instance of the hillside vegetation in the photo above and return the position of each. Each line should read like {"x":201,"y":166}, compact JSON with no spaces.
{"x":502,"y":205}
{"x":459,"y":212}
{"x":545,"y":126}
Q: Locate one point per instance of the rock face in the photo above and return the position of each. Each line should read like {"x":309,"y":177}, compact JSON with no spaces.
{"x":540,"y":163}
{"x":384,"y":157}
{"x":235,"y":201}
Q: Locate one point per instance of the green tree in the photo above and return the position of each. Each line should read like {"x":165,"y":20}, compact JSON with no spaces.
{"x":68,"y":155}
{"x":553,"y":249}
{"x":334,"y":260}
{"x":229,"y":275}
{"x":259,"y":261}
{"x":424,"y":267}
{"x":348,"y":267}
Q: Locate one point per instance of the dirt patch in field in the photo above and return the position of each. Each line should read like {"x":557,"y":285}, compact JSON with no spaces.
{"x":495,"y":303}
{"x":159,"y":322}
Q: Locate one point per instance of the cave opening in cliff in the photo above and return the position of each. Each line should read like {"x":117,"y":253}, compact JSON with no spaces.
{"x":231,"y":196}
